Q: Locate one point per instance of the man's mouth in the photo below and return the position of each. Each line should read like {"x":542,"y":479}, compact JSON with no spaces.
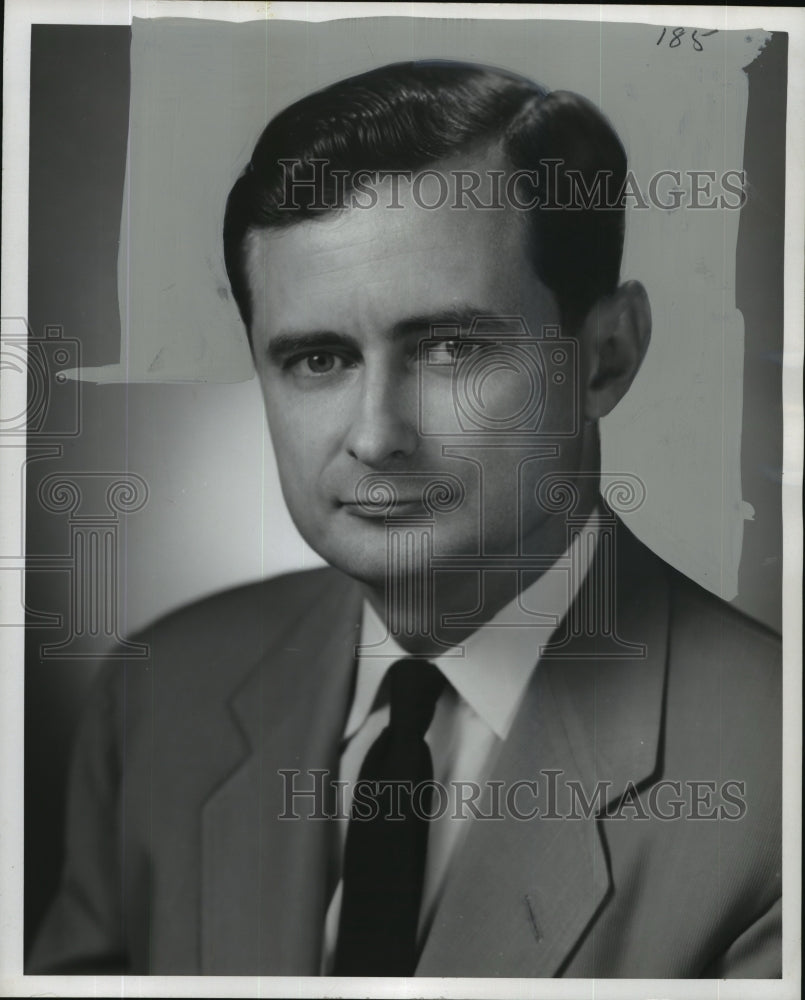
{"x":400,"y":507}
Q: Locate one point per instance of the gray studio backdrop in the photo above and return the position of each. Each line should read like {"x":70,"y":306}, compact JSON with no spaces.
{"x":130,"y":166}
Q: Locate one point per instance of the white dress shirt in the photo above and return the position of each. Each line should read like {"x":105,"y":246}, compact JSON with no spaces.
{"x":472,"y":717}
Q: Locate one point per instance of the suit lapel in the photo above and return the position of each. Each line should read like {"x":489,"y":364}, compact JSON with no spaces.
{"x":521,"y":892}
{"x":265,"y":880}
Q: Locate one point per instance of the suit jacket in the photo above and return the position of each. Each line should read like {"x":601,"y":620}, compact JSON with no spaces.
{"x":177,"y":862}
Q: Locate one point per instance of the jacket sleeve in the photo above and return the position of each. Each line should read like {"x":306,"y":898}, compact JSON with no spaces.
{"x":83,"y":931}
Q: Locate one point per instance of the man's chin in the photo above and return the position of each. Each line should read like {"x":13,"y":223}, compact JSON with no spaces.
{"x":370,"y":569}
{"x":375,"y":565}
{"x":364,"y":549}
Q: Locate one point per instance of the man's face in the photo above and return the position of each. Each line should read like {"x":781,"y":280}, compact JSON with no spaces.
{"x":341,"y":305}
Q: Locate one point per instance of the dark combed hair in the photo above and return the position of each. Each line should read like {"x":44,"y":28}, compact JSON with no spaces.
{"x":410,"y":115}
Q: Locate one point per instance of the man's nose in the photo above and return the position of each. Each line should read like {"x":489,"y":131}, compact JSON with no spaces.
{"x":383,"y":429}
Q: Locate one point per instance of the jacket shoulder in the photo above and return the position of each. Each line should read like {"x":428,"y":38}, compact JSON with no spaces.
{"x":259,"y":609}
{"x":199,"y":653}
{"x":703,"y":629}
{"x":724,"y":693}
{"x":724,"y":671}
{"x":715,"y":625}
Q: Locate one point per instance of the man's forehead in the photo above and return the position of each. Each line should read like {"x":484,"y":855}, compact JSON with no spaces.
{"x":344,"y":269}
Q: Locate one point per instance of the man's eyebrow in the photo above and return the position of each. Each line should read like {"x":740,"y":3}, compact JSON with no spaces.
{"x":455,"y":316}
{"x":283,"y":344}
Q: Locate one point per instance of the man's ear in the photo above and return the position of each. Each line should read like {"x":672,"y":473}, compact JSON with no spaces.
{"x":614,"y":337}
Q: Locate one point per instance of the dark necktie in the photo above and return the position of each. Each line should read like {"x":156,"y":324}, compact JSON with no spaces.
{"x":384,"y":857}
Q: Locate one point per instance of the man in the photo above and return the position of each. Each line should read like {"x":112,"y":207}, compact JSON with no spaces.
{"x":498,"y":737}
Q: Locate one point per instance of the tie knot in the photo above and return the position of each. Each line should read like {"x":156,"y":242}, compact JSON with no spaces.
{"x":414,"y":688}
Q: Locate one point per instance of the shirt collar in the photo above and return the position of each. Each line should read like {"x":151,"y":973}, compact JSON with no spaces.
{"x":499,"y":657}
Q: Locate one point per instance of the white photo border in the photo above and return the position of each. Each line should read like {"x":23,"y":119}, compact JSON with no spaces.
{"x":19,"y":16}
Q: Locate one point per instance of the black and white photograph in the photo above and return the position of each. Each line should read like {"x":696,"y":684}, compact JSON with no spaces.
{"x":400,"y":500}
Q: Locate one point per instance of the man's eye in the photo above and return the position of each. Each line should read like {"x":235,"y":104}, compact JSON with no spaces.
{"x":320,"y":363}
{"x":449,"y":352}
{"x":446,"y":352}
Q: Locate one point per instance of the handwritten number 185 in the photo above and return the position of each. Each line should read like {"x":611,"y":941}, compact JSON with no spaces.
{"x":675,"y":39}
